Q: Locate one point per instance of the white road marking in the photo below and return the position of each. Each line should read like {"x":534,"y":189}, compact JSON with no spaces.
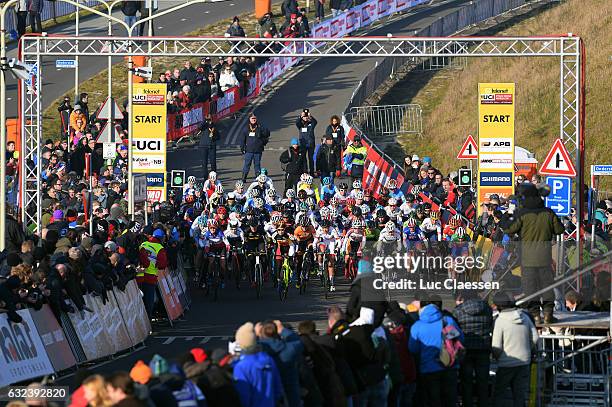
{"x":169,"y":340}
{"x":183,"y":19}
{"x":160,"y":28}
{"x":205,"y":340}
{"x":206,"y":12}
{"x":189,"y":338}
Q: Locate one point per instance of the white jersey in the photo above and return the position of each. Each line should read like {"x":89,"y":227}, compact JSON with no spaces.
{"x":389,"y":238}
{"x":394,"y":214}
{"x":329,"y":239}
{"x":231,"y":235}
{"x":353,"y":193}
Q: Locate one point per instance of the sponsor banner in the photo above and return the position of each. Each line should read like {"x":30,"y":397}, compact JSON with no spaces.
{"x":113,"y":322}
{"x":53,"y":338}
{"x":338,"y":26}
{"x":484,"y":193}
{"x":23,"y":353}
{"x":496,"y":137}
{"x":384,"y":8}
{"x":170,"y":298}
{"x":155,"y":194}
{"x":149,"y":145}
{"x":492,"y":179}
{"x":133,"y":312}
{"x":91,"y":332}
{"x":496,"y":161}
{"x":156,"y":179}
{"x":144,"y":164}
{"x":368,"y":12}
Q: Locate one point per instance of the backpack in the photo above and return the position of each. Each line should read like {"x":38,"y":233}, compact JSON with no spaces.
{"x":452,"y":350}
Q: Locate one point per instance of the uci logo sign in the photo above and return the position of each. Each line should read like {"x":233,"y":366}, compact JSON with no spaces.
{"x":147,"y":145}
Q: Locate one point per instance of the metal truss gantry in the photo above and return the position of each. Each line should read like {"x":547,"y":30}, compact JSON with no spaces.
{"x":567,"y":48}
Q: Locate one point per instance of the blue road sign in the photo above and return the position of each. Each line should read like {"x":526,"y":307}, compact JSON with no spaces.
{"x":65,"y":63}
{"x":601,"y":169}
{"x":560,"y":198}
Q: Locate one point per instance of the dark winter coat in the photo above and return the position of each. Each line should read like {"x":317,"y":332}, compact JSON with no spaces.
{"x":130,"y":8}
{"x":475,"y":318}
{"x":209,"y":135}
{"x":14,"y":235}
{"x":374,"y":299}
{"x":306,"y":131}
{"x":254,"y":141}
{"x":324,"y":369}
{"x":328,"y":158}
{"x":293,"y":161}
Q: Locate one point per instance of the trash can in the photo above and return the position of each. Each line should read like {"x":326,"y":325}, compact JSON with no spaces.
{"x":262,"y":7}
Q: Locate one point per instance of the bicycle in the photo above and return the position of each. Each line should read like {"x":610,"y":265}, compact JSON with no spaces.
{"x":258,"y":273}
{"x":235,"y":270}
{"x":352,"y":265}
{"x":284,"y":278}
{"x":323,"y":272}
{"x":305,"y":268}
{"x":214,"y":276}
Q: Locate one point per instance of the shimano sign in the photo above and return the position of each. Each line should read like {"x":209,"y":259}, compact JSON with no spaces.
{"x":494,"y":179}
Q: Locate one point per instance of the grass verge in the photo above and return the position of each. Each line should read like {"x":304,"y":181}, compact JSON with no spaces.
{"x":449,"y":98}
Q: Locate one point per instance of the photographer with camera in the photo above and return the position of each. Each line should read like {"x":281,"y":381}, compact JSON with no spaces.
{"x":535,"y":226}
{"x":306,"y":126}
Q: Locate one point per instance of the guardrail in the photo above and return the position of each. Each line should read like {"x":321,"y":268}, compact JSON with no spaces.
{"x":387,"y":120}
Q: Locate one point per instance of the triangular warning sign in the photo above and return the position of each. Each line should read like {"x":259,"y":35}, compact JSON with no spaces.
{"x":105,"y":112}
{"x":108,"y":134}
{"x":469,"y":151}
{"x":558,"y":161}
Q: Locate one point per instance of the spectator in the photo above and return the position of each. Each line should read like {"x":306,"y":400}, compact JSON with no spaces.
{"x":9,"y":297}
{"x":320,"y":13}
{"x":266,"y":27}
{"x":286,"y":349}
{"x":235,"y":30}
{"x":475,"y":318}
{"x":209,"y":135}
{"x":129,"y":9}
{"x":185,"y":97}
{"x":64,"y":110}
{"x":95,"y":392}
{"x":302,"y":21}
{"x":84,"y":103}
{"x":35,"y":8}
{"x":254,"y":139}
{"x":354,"y":158}
{"x":216,"y":381}
{"x":306,"y":124}
{"x":188,"y":74}
{"x":77,"y":119}
{"x":256,"y":375}
{"x":438,"y":383}
{"x":291,"y":27}
{"x":289,"y":7}
{"x":328,"y":159}
{"x":121,"y":390}
{"x":227,"y":79}
{"x":293,"y":163}
{"x":336,"y":130}
{"x":21,"y":11}
{"x":14,"y":233}
{"x":514,"y":339}
{"x":335,"y":7}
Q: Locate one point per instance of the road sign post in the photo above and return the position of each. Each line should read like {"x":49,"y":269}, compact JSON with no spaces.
{"x":560,"y":197}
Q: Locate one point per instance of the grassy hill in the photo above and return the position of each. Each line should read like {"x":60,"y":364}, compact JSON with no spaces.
{"x":449,"y":99}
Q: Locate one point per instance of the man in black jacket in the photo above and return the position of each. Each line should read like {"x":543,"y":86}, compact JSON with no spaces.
{"x":254,"y":140}
{"x":209,"y":135}
{"x":306,"y":126}
{"x":475,"y":317}
{"x":328,"y":158}
{"x":293,"y":161}
{"x":14,"y":234}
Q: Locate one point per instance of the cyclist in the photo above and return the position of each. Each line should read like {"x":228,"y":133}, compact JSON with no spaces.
{"x":353,"y":243}
{"x":413,"y":237}
{"x":235,"y":237}
{"x":253,"y":194}
{"x":328,"y":189}
{"x":217,"y":198}
{"x":305,"y":184}
{"x":262,"y":182}
{"x":222,"y":217}
{"x":239,"y":192}
{"x":284,"y":246}
{"x":389,"y":240}
{"x":271,"y":199}
{"x":216,"y":243}
{"x":460,"y":245}
{"x":431,"y":227}
{"x":232,"y":203}
{"x":451,"y":227}
{"x":325,"y":240}
{"x":408,"y":206}
{"x":304,"y":235}
{"x":211,"y":183}
{"x":341,"y":195}
{"x":394,"y":213}
{"x":254,"y":242}
{"x":189,"y":186}
{"x":383,"y":196}
{"x":395,"y":192}
{"x":356,"y":189}
{"x":368,"y":199}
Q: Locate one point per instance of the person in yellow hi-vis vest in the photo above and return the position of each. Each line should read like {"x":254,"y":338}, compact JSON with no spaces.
{"x":152,"y":257}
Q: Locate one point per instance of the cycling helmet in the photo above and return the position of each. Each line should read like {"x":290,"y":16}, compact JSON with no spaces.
{"x":264,"y":171}
{"x":324,"y":211}
{"x":190,"y":198}
{"x":303,"y":177}
{"x":458,"y":217}
{"x":333,"y":201}
{"x":392,"y":202}
{"x":416,"y":189}
{"x":326,"y":181}
{"x":261,"y":179}
{"x":390,"y":226}
{"x":233,"y":223}
{"x":304,"y":220}
{"x":258,"y":203}
{"x":222,"y":210}
{"x":391,"y":184}
{"x":359,"y":196}
{"x":191,"y":179}
{"x":365,"y":209}
{"x":380,"y":213}
{"x":356,"y":211}
{"x":231,"y":196}
{"x":212,"y":176}
{"x":202,"y":221}
{"x":276,"y":217}
{"x":357,"y":224}
{"x":434,"y":215}
{"x":350,"y":202}
{"x":288,"y":207}
{"x":460,"y":232}
{"x":411,"y":223}
{"x":271,"y":193}
{"x":308,"y":179}
{"x":212,"y":223}
{"x":343,"y":185}
{"x":219,"y":189}
{"x":255,"y":192}
{"x":239,"y":184}
{"x":290,"y":193}
{"x":302,"y":194}
{"x":356,"y":184}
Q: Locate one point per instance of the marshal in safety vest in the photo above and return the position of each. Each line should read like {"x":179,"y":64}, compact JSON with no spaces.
{"x":153,"y":249}
{"x":358,"y":154}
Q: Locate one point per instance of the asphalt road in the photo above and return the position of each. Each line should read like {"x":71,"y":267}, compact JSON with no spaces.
{"x":325,"y":87}
{"x":58,"y":82}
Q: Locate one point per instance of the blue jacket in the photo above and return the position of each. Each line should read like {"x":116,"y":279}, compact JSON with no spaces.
{"x":426,"y":338}
{"x":254,"y":141}
{"x":287,"y":353}
{"x":257,"y":380}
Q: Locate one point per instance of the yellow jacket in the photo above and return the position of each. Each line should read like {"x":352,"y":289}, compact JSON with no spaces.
{"x":74,"y":116}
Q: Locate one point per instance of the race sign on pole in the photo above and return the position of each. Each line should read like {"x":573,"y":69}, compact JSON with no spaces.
{"x":496,"y":140}
{"x":468,"y":151}
{"x":465,"y":177}
{"x":177,"y":178}
{"x":558,"y":161}
{"x":149,"y":138}
{"x":560,"y":197}
{"x":108,"y":150}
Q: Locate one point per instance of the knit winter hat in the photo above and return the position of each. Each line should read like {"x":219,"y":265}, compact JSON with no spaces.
{"x":199,"y":354}
{"x":141,"y":373}
{"x":245,"y":336}
{"x":158,"y":365}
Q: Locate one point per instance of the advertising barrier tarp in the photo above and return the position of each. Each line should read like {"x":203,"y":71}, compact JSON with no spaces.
{"x":133,"y":312}
{"x":113,"y":322}
{"x":169,"y":295}
{"x":92,"y":335}
{"x":22,"y":353}
{"x":53,"y":338}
